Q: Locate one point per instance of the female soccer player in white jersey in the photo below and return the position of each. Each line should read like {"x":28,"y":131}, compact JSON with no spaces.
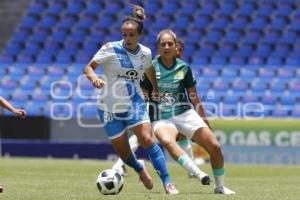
{"x":176,"y":85}
{"x":121,"y":105}
{"x":18,"y":112}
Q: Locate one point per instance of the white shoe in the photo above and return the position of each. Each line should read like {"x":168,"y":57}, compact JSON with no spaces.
{"x":170,"y":189}
{"x":121,"y":169}
{"x":223,"y":190}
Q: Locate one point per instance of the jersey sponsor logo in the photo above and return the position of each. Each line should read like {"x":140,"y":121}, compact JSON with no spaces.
{"x":168,"y":98}
{"x":130,"y":75}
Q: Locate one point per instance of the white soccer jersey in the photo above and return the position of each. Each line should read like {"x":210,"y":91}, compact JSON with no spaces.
{"x":122,"y":72}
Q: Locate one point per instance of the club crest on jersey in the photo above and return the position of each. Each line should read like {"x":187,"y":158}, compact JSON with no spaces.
{"x":179,"y":74}
{"x":143,"y":58}
{"x":130,"y":75}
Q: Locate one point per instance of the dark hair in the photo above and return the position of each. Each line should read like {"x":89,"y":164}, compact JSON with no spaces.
{"x":180,"y":41}
{"x":138,"y":17}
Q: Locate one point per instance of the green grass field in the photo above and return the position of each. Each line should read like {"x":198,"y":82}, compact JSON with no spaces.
{"x":60,"y":179}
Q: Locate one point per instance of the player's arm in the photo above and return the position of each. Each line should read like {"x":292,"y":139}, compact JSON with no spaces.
{"x":90,"y":73}
{"x":18,"y":112}
{"x":190,"y":85}
{"x":197,"y":103}
{"x":150,"y":73}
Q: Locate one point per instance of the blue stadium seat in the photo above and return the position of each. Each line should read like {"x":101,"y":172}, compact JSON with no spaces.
{"x":36,"y":8}
{"x":74,"y":8}
{"x":265,"y":8}
{"x":258,"y":24}
{"x":40,"y":35}
{"x":93,"y":8}
{"x":294,"y":87}
{"x":280,"y":112}
{"x":112,"y":8}
{"x":227,"y":8}
{"x":237,"y":61}
{"x":268,"y":100}
{"x":284,"y":9}
{"x":208,"y":7}
{"x":239,"y":85}
{"x":285,"y":73}
{"x":214,"y":36}
{"x":256,"y":60}
{"x":219,"y":22}
{"x":229,"y":73}
{"x":47,"y":22}
{"x":12,"y":49}
{"x":189,"y":7}
{"x":266,"y":73}
{"x":66,"y":22}
{"x":288,"y":99}
{"x":233,"y":36}
{"x":239,"y":23}
{"x":55,"y":8}
{"x":246,"y":73}
{"x":85,"y":22}
{"x":289,"y":37}
{"x":274,"y":61}
{"x":250,"y":98}
{"x":245,"y":50}
{"x":263,"y":50}
{"x":296,"y":112}
{"x":226,"y":49}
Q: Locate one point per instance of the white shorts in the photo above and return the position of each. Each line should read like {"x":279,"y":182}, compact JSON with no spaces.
{"x":186,"y":123}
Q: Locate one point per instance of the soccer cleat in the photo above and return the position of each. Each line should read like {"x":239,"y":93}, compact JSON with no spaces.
{"x":145,"y":177}
{"x":170,"y":189}
{"x":223,"y":190}
{"x":205,"y":180}
{"x":121,"y":169}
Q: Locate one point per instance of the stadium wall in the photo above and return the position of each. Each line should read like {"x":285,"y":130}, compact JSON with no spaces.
{"x":266,"y":141}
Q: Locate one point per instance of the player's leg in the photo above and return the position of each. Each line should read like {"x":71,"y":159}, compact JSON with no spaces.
{"x":166,"y":133}
{"x":205,"y":138}
{"x":115,"y":130}
{"x":156,"y":155}
{"x":139,"y":123}
{"x":185,"y":144}
{"x":119,"y":165}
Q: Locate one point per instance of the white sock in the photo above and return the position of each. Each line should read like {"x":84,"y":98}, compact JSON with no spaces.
{"x":219,"y":177}
{"x":118,"y":164}
{"x":186,"y":145}
{"x":133,"y":142}
{"x":187,"y":163}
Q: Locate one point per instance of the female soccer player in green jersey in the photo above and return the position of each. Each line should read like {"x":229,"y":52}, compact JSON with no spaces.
{"x":176,"y":86}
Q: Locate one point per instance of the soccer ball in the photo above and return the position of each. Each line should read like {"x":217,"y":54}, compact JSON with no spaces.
{"x":110,"y":182}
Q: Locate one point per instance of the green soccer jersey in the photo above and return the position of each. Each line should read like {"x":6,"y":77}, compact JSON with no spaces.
{"x":172,"y":84}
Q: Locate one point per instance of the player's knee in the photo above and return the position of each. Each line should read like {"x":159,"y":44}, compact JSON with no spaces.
{"x":146,"y":140}
{"x":165,"y":141}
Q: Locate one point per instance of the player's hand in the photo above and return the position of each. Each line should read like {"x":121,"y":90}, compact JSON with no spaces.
{"x":98,"y":83}
{"x":155,"y":96}
{"x":20,"y":113}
